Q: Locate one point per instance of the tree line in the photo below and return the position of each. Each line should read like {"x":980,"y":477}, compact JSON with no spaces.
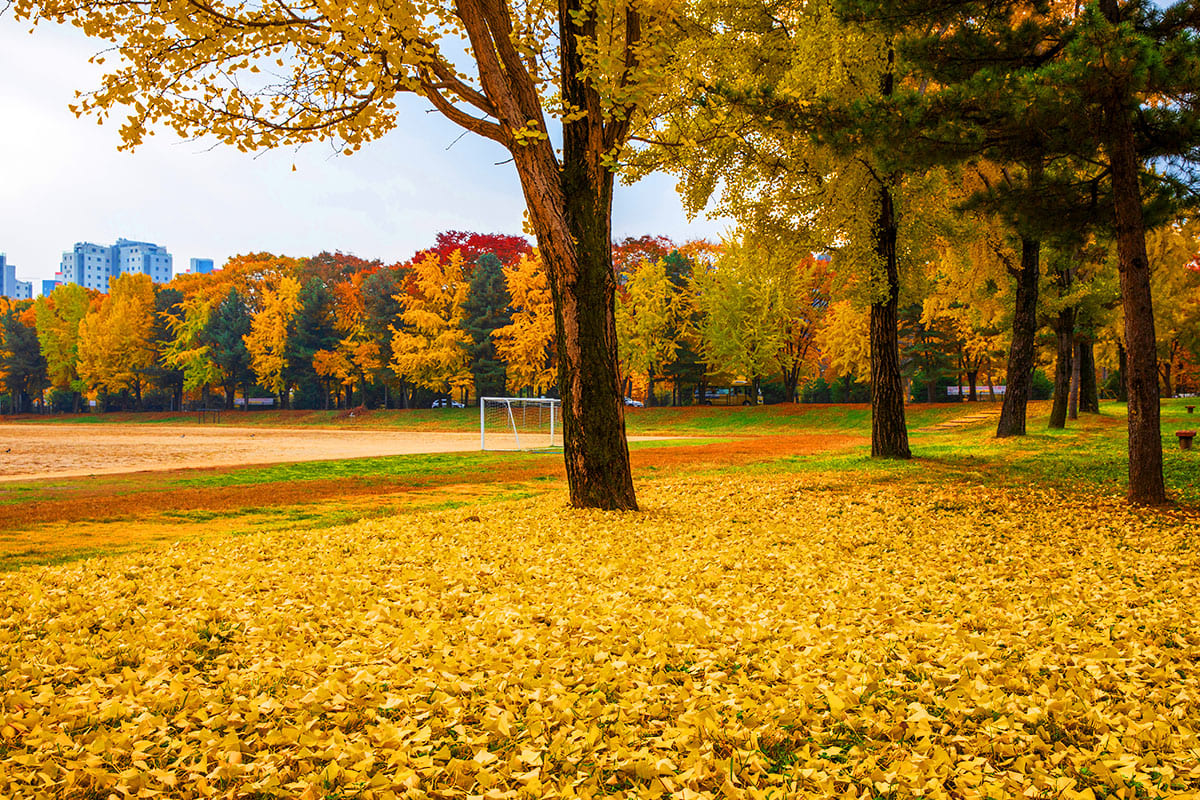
{"x":472,"y":316}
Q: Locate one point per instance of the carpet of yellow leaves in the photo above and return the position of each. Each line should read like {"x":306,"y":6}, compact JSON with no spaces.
{"x":743,"y":637}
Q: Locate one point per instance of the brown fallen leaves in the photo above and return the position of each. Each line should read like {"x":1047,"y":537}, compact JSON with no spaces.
{"x":745,"y":637}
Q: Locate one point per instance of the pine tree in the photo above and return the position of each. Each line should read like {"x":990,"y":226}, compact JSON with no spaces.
{"x":225,"y":334}
{"x":486,"y":310}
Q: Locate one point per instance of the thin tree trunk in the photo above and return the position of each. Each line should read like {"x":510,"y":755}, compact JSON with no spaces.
{"x":1073,"y":400}
{"x":889,"y":431}
{"x":1145,"y":435}
{"x":1122,"y":372}
{"x":1089,"y":394}
{"x":1064,"y":333}
{"x":1020,"y":354}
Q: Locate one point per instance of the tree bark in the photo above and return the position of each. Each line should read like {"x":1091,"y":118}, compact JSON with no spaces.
{"x":1064,"y":333}
{"x":1020,"y":354}
{"x":570,"y":208}
{"x":972,"y":379}
{"x":889,"y":431}
{"x":1145,"y":435}
{"x":1089,"y":393}
{"x":1073,"y":398}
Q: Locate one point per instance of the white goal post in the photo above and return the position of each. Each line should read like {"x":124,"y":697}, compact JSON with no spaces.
{"x":519,"y":423}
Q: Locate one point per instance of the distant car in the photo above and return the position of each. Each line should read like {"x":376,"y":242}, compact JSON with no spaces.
{"x":629,"y":401}
{"x":443,"y":403}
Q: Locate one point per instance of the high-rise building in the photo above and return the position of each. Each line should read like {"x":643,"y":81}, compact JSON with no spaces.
{"x":200,"y":266}
{"x":9,"y":285}
{"x":92,"y":265}
{"x":48,"y":287}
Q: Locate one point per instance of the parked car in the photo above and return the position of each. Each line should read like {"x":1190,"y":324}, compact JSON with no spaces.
{"x":629,"y":401}
{"x":444,"y":403}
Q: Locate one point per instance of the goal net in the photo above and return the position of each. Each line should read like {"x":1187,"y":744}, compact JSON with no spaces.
{"x":519,"y":423}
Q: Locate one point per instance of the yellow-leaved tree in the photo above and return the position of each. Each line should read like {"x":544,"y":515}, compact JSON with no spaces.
{"x":58,"y":316}
{"x":116,"y":337}
{"x":269,"y":331}
{"x":430,"y":347}
{"x":526,"y":344}
{"x":257,"y":75}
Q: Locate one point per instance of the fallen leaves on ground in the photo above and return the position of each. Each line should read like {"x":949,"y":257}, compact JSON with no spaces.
{"x":742,"y":637}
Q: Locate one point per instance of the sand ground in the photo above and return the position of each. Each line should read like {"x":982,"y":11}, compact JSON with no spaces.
{"x":63,"y":450}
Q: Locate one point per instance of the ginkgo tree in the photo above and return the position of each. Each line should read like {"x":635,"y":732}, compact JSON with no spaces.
{"x":430,"y":347}
{"x":257,"y":75}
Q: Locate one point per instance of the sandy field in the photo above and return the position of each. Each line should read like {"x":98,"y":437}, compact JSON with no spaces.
{"x":55,"y":451}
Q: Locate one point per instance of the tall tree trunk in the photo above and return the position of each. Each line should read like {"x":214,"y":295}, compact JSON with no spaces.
{"x":1073,"y":400}
{"x":889,"y":431}
{"x":1145,"y":435}
{"x":972,"y":379}
{"x":1064,"y":333}
{"x":1020,"y":354}
{"x":1089,"y":394}
{"x":1122,"y":372}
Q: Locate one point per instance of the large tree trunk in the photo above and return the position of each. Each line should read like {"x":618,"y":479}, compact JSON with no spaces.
{"x":1064,"y":333}
{"x":889,"y":431}
{"x":1019,"y":379}
{"x":1089,"y":393}
{"x":570,"y":207}
{"x":1145,"y":435}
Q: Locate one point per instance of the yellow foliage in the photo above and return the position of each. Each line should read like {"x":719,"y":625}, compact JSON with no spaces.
{"x":526,"y":344}
{"x":743,"y":637}
{"x":430,"y":347}
{"x":267,"y":340}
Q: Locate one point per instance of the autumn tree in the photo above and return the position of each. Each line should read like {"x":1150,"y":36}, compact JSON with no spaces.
{"x":526,"y":345}
{"x":267,"y":340}
{"x":58,"y":316}
{"x":505,"y":247}
{"x":22,"y":366}
{"x":760,"y":309}
{"x":116,"y":338}
{"x":748,"y":127}
{"x":652,"y":317}
{"x":381,"y":290}
{"x":592,"y":65}
{"x":1174,"y":253}
{"x":430,"y":348}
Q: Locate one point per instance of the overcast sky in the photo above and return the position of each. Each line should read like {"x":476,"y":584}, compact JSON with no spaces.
{"x":64,"y":181}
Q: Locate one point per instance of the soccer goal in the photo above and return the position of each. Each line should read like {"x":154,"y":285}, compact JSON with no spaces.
{"x":519,"y":423}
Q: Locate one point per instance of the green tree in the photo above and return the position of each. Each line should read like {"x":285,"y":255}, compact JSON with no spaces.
{"x":486,"y":310}
{"x":225,"y":338}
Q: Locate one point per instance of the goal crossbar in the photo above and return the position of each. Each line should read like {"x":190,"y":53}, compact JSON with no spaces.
{"x":519,"y":423}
